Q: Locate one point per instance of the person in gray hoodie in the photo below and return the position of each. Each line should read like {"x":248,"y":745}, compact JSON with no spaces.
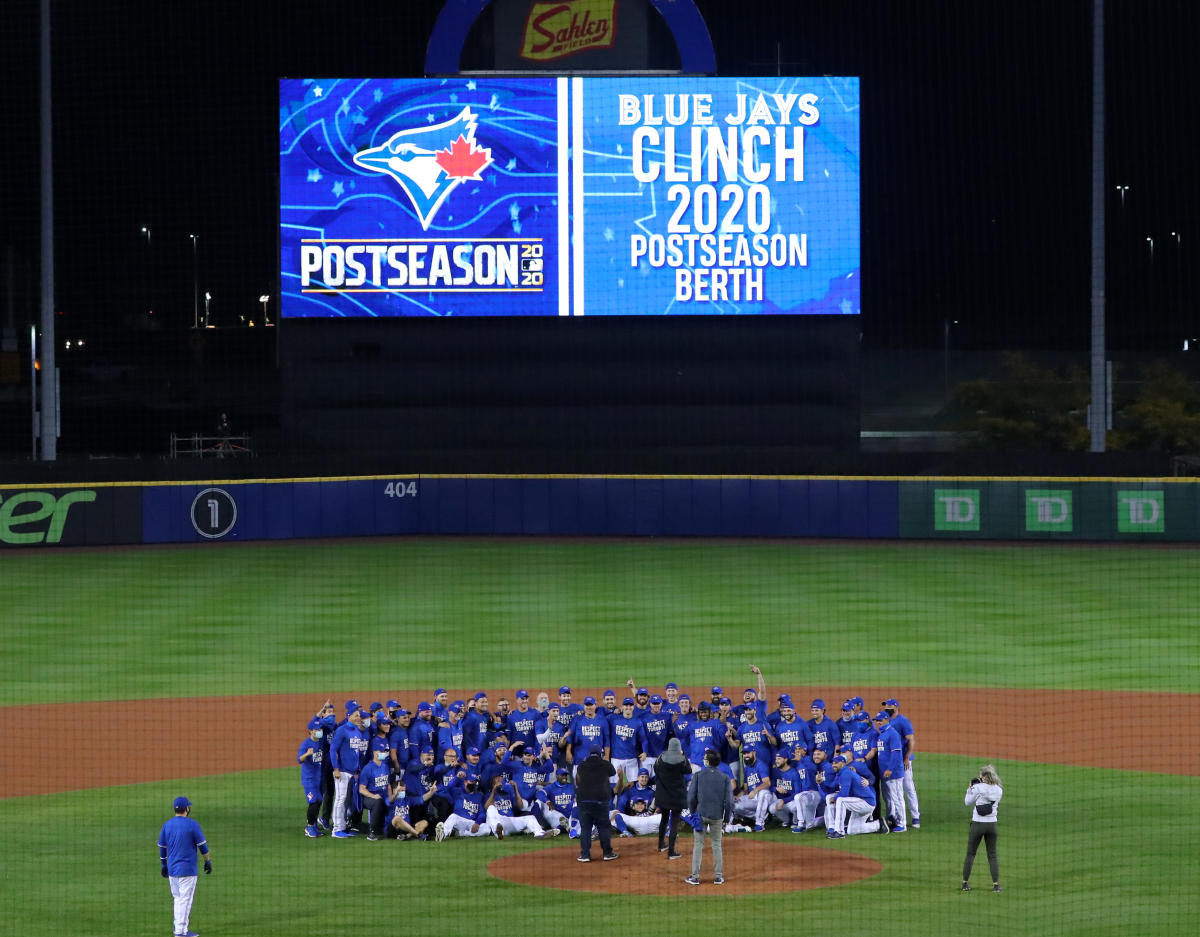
{"x":710,"y":803}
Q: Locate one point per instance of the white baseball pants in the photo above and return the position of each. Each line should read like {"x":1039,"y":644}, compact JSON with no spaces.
{"x":785,"y":810}
{"x":853,"y":816}
{"x":183,"y":889}
{"x":807,"y":803}
{"x":641,"y":824}
{"x":910,"y":791}
{"x":462,"y":826}
{"x":627,"y":768}
{"x":894,"y":789}
{"x":341,"y":791}
{"x":753,"y":805}
{"x":514,"y":824}
{"x":554,"y":818}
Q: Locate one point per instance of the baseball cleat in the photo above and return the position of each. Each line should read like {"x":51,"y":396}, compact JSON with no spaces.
{"x":323,"y":823}
{"x":758,"y":827}
{"x":311,"y":832}
{"x":439,"y":832}
{"x":553,"y":832}
{"x":997,"y":888}
{"x":693,"y":880}
{"x":626,"y":835}
{"x":372,"y":838}
{"x":797,"y":829}
{"x":966,"y":887}
{"x":719,"y":880}
{"x":898,"y":829}
{"x":498,"y":832}
{"x":916,"y":823}
{"x":340,"y":834}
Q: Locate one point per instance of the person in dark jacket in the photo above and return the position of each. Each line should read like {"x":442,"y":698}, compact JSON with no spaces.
{"x":671,"y":771}
{"x":592,"y":796}
{"x":710,"y":804}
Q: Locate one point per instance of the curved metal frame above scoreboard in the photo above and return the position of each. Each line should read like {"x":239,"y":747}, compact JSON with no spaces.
{"x":688,"y":29}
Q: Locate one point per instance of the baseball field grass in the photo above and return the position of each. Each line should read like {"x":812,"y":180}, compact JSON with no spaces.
{"x":1083,"y":850}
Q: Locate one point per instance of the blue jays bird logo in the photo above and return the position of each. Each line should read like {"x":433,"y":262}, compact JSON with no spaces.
{"x":430,"y":162}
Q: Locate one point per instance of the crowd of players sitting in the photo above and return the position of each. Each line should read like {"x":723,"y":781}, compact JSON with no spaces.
{"x":460,"y":768}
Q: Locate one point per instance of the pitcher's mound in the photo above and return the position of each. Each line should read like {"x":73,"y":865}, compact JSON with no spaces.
{"x":752,"y":867}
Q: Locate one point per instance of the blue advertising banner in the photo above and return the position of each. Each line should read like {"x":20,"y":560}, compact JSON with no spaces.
{"x":584,"y":196}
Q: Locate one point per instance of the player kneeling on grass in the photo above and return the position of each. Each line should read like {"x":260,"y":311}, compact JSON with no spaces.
{"x":500,"y":809}
{"x":558,"y":802}
{"x":854,"y":801}
{"x":468,"y":816}
{"x":635,"y":811}
{"x":752,"y":798}
{"x":402,"y":822}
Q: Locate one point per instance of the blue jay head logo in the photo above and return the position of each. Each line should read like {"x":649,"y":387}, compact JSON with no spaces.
{"x":430,"y":162}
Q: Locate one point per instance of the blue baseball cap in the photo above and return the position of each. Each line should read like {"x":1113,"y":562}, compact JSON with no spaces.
{"x":847,"y":706}
{"x":375,"y":707}
{"x":181,"y":802}
{"x":645,"y":771}
{"x":863,"y":716}
{"x":841,"y":756}
{"x":890,"y":702}
{"x":881,"y":716}
{"x":363,"y":714}
{"x":456,"y":707}
{"x":717,"y":691}
{"x":424,"y":707}
{"x":786,"y":700}
{"x":314,"y":723}
{"x":382,"y":720}
{"x":589,"y":701}
{"x":656,"y":699}
{"x":438,"y":692}
{"x":857,"y":700}
{"x":671,"y":686}
{"x":393,"y":704}
{"x":725,"y":700}
{"x":608,"y":693}
{"x":351,"y":705}
{"x":627,"y":701}
{"x":564,"y":689}
{"x":685,"y":696}
{"x":426,"y":749}
{"x":642,"y":691}
{"x":480,"y":695}
{"x":522,"y":694}
{"x":705,"y":706}
{"x":472,"y":750}
{"x":818,"y":704}
{"x":402,"y":712}
{"x":563,"y":772}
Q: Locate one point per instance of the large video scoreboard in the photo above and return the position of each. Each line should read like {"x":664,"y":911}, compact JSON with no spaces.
{"x":594,"y":196}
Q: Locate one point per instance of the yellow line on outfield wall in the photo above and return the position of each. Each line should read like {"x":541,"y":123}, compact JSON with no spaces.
{"x":1019,"y":479}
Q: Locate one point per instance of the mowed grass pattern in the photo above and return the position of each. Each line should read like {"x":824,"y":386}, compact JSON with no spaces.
{"x":269,"y":618}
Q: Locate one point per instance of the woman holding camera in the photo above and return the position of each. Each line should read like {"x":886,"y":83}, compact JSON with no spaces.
{"x":984,"y":795}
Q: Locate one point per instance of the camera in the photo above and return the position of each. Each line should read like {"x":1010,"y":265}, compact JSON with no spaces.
{"x":975,"y":781}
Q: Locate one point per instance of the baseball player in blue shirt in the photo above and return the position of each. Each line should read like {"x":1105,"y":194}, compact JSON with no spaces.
{"x":521,"y":725}
{"x":628,"y":734}
{"x":467,"y":819}
{"x":588,"y":729}
{"x":809,"y":798}
{"x":178,"y":841}
{"x":450,"y":732}
{"x":890,"y":758}
{"x":422,"y":732}
{"x":311,"y":758}
{"x":824,"y":730}
{"x":903,"y":725}
{"x":635,"y":811}
{"x":671,"y":692}
{"x":853,"y":802}
{"x":373,"y":788}
{"x":558,"y":803}
{"x":847,"y":724}
{"x":752,"y":797}
{"x":705,"y":733}
{"x":658,"y":729}
{"x":501,"y":808}
{"x":791,"y":732}
{"x":785,"y":788}
{"x":347,"y":751}
{"x":401,"y":806}
{"x":827,"y":785}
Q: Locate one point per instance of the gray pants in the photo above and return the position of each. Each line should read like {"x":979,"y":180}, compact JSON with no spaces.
{"x":712,"y":829}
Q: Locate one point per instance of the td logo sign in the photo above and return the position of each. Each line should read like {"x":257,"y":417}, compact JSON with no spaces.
{"x":24,"y":516}
{"x":956,"y":509}
{"x":1049,"y":510}
{"x":1140,"y":512}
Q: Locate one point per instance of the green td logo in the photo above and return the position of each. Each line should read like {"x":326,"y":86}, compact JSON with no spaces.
{"x":956,"y":509}
{"x":1140,"y":512}
{"x":1049,"y":509}
{"x":22,"y":515}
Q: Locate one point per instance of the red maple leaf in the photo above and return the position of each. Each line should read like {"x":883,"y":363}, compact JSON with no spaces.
{"x":464,"y":160}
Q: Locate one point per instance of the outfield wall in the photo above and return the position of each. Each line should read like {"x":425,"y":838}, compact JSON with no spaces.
{"x":670,"y":506}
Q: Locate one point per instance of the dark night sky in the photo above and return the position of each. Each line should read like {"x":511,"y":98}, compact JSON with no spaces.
{"x":976,"y":133}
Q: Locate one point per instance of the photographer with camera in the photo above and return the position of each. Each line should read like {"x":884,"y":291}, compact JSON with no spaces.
{"x":984,"y":795}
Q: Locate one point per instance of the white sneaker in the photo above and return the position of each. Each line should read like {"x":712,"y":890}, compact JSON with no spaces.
{"x":439,"y":832}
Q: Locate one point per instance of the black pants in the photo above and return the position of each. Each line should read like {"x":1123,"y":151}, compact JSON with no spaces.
{"x":328,"y":791}
{"x":987,"y":833}
{"x":377,"y":814}
{"x":594,"y":813}
{"x":668,"y":826}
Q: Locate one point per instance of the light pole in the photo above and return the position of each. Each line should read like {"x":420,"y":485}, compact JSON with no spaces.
{"x":1150,"y":241}
{"x":195,"y":283}
{"x":264,"y":299}
{"x":146,"y":231}
{"x":207,"y":299}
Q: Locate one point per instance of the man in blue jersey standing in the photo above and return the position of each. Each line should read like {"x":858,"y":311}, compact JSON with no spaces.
{"x":311,"y":758}
{"x":178,"y":841}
